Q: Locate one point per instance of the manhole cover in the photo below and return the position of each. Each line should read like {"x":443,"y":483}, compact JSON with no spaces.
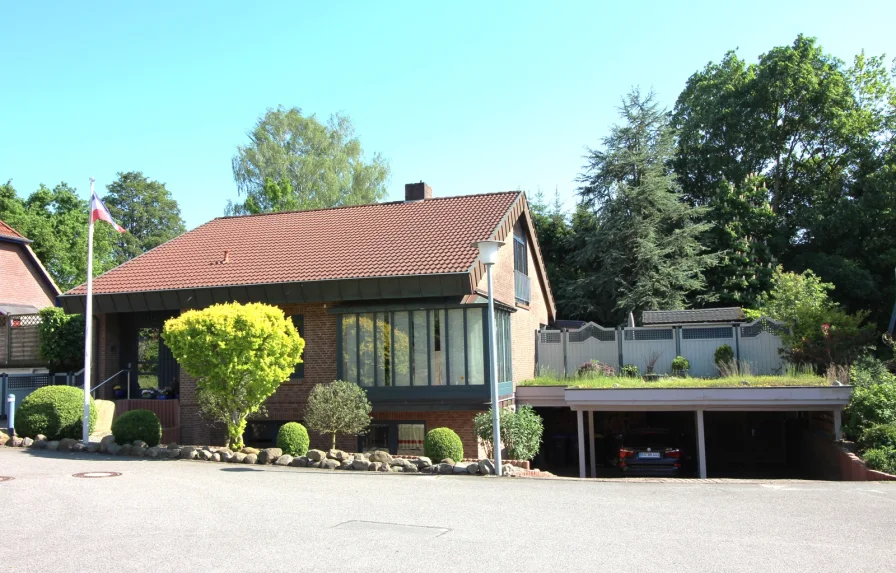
{"x":6,"y":478}
{"x":97,"y":474}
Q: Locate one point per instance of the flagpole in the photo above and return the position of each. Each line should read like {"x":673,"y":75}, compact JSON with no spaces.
{"x":88,"y":322}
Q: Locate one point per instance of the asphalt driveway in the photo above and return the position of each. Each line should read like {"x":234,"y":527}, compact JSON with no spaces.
{"x":201,"y":516}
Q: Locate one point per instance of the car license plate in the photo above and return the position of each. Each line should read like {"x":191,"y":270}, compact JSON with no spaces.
{"x":648,"y":454}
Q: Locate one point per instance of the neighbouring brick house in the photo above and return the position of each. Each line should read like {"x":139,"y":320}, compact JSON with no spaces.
{"x":25,"y":288}
{"x":389,"y":295}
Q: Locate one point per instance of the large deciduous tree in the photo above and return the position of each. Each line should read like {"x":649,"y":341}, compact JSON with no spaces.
{"x":294,"y":161}
{"x":239,"y":355}
{"x":146,"y":209}
{"x":644,"y":252}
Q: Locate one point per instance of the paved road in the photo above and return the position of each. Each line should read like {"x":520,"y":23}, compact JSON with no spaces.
{"x":200,"y":516}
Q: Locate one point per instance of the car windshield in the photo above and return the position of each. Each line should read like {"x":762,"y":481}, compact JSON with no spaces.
{"x":647,"y":440}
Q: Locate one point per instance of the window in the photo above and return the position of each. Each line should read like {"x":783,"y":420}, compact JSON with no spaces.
{"x":504,"y":343}
{"x":439,"y":347}
{"x":298,"y":320}
{"x":520,"y":254}
{"x":148,"y":358}
{"x":401,"y":438}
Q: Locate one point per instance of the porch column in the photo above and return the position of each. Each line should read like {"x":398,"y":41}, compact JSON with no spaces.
{"x":581,"y":422}
{"x":591,"y":443}
{"x":838,"y":420}
{"x":701,"y":444}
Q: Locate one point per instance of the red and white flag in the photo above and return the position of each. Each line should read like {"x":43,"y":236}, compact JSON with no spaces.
{"x":98,"y":211}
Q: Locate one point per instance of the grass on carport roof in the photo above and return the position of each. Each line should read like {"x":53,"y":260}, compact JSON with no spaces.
{"x":793,"y":378}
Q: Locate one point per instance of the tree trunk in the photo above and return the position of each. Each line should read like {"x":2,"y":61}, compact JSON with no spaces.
{"x":333,"y":447}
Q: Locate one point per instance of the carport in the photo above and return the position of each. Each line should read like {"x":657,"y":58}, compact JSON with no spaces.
{"x":584,"y":402}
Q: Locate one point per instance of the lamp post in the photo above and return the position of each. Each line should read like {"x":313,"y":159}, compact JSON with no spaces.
{"x":488,"y":255}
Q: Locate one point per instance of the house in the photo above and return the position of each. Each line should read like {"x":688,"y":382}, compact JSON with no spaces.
{"x":25,"y":288}
{"x":388,"y":295}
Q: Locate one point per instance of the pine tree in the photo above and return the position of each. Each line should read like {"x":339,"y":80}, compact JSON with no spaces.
{"x":643,"y":252}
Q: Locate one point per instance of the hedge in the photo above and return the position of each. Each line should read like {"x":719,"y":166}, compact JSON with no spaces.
{"x":137,"y":425}
{"x":54,"y":411}
{"x":878,"y":436}
{"x":442,"y":443}
{"x":293,"y":439}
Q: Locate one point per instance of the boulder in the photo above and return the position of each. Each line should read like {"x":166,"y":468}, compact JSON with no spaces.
{"x":316,"y":455}
{"x":299,"y":462}
{"x":395,"y":469}
{"x":384,"y":467}
{"x":486,"y":467}
{"x":153,"y":452}
{"x":139,"y":452}
{"x":139,"y":444}
{"x":125,"y":450}
{"x":224,"y":454}
{"x":28,"y":442}
{"x":402,"y":463}
{"x":448,"y":461}
{"x":173,"y":454}
{"x":113,"y":449}
{"x":223,"y":451}
{"x":239,"y":458}
{"x":313,"y":464}
{"x":422,"y":462}
{"x":284,"y":460}
{"x":410,"y":469}
{"x":173,"y":446}
{"x":330,"y":464}
{"x":374,"y":466}
{"x":345,"y":465}
{"x":92,"y":447}
{"x":473,"y":468}
{"x":251,"y":459}
{"x":381,"y":456}
{"x":104,"y":443}
{"x":269,"y":455}
{"x":65,"y":444}
{"x":4,"y":438}
{"x":38,"y":437}
{"x":53,"y":445}
{"x":250,"y":451}
{"x":364,"y":457}
{"x":461,"y":468}
{"x":360,"y":464}
{"x":78,"y":447}
{"x":205,"y":455}
{"x":510,"y":470}
{"x":15,"y":442}
{"x":446,"y":468}
{"x":188,"y":453}
{"x":216,"y":457}
{"x":41,"y":444}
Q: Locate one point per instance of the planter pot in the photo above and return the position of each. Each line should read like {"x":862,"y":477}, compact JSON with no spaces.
{"x":651,"y":377}
{"x":163,"y":397}
{"x":120,"y":394}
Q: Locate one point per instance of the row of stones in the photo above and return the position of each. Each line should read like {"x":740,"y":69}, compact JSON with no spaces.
{"x":380,"y":461}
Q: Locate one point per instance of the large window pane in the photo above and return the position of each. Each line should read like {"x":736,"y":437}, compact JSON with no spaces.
{"x":476,"y":347}
{"x":508,"y":345}
{"x":383,"y":350}
{"x":365,"y":326}
{"x":438,"y":349}
{"x":499,"y":342}
{"x":410,"y":439}
{"x":401,"y":350}
{"x":349,"y":347}
{"x":457,"y":367}
{"x":420,"y":350}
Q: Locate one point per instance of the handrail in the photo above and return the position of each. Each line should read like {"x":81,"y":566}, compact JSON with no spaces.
{"x":94,"y":389}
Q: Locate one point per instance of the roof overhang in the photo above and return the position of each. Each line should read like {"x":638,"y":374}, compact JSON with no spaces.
{"x":793,"y":398}
{"x":364,"y":289}
{"x":17,"y":309}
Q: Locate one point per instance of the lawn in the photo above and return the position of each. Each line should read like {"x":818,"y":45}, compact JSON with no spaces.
{"x":789,"y":379}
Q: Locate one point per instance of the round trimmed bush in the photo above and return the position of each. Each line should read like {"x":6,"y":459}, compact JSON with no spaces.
{"x":54,"y":411}
{"x":136,"y":425}
{"x":878,"y":436}
{"x":723,"y":355}
{"x":442,"y":443}
{"x":293,"y":439}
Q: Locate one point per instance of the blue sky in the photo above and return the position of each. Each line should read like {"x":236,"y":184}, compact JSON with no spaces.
{"x":469,"y":97}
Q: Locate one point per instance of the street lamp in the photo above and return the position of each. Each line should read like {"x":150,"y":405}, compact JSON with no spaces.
{"x":488,"y":255}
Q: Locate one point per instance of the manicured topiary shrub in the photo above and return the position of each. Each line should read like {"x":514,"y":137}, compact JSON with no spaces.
{"x":723,"y":355}
{"x":137,"y":425}
{"x":293,"y":439}
{"x":878,"y":436}
{"x":595,"y":368}
{"x":442,"y":443}
{"x":54,"y":411}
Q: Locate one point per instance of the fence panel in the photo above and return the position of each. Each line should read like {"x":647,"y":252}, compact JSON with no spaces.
{"x":698,"y":345}
{"x":760,"y":346}
{"x":23,"y":340}
{"x":591,"y":342}
{"x":641,"y":345}
{"x":550,"y":351}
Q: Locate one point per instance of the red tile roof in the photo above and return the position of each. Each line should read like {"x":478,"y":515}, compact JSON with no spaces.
{"x":7,"y":232}
{"x":434,"y":236}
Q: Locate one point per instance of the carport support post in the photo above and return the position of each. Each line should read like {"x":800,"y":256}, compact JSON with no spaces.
{"x":838,"y":420}
{"x":591,"y":442}
{"x":701,"y":444}
{"x":581,"y":422}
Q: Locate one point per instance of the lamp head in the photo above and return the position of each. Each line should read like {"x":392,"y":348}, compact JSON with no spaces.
{"x":488,"y":251}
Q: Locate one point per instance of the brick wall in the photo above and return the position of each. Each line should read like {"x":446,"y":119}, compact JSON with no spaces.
{"x":21,"y":281}
{"x":461,"y":422}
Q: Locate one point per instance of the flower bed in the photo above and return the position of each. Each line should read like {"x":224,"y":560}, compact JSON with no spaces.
{"x":376,"y":461}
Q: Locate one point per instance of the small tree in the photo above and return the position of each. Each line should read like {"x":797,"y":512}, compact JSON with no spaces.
{"x":239,"y":355}
{"x":61,"y":339}
{"x":521,"y":432}
{"x":339,"y":407}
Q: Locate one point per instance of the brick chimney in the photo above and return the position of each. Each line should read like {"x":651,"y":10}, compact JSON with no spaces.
{"x":417,"y":191}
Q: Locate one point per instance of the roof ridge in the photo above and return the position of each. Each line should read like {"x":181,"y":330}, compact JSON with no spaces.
{"x":338,"y":207}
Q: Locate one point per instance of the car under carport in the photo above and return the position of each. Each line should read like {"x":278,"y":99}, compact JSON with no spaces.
{"x":745,"y":428}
